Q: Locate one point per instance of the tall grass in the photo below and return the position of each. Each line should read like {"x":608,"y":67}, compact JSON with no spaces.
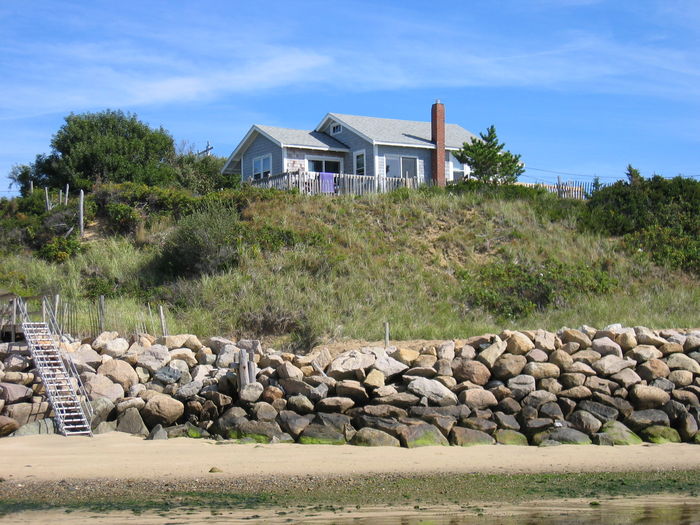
{"x":396,"y":257}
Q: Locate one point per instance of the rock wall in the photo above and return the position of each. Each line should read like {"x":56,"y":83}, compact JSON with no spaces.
{"x":612,"y":386}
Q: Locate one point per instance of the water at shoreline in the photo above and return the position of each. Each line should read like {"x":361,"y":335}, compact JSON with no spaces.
{"x":654,"y":510}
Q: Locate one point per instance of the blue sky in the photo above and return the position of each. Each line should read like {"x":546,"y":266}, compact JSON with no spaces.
{"x":580,"y":87}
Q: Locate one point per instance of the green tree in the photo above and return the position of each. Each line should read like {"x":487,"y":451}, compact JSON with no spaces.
{"x":201,"y":174}
{"x":109,"y":146}
{"x":633,"y":175}
{"x":489,"y":161}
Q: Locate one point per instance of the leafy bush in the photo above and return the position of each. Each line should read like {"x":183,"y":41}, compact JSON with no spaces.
{"x":122,"y":217}
{"x":59,"y":249}
{"x":657,"y":215}
{"x":512,"y":290}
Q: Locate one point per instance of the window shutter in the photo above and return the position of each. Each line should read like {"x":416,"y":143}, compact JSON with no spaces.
{"x":421,"y":171}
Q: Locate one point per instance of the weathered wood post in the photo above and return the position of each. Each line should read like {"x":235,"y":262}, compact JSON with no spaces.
{"x":252,"y":368}
{"x":81,"y":213}
{"x":163,"y":326}
{"x":559,"y":189}
{"x":101,"y":314}
{"x":31,"y":187}
{"x":242,"y":370}
{"x":14,"y":319}
{"x":46,"y":198}
{"x":67,"y":188}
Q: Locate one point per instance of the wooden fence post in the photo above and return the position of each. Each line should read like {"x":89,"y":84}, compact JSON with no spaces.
{"x":31,"y":187}
{"x":46,"y":198}
{"x":67,"y":188}
{"x":163,"y":326}
{"x":81,"y":213}
{"x":14,"y":319}
{"x":101,"y":314}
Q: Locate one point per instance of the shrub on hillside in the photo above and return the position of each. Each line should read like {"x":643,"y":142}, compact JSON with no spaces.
{"x":510,"y":290}
{"x":59,"y":249}
{"x":656,"y":215}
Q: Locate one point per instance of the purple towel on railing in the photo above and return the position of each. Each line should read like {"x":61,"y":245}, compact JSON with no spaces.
{"x":327,"y":183}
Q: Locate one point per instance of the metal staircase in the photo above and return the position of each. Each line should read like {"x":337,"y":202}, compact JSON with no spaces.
{"x":64,"y":389}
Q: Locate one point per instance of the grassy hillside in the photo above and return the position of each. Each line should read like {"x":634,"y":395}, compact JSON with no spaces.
{"x":435,"y":264}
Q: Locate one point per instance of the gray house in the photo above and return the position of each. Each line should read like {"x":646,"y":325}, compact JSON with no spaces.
{"x":348,"y":149}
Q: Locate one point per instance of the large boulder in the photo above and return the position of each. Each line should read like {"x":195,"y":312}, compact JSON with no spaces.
{"x":7,"y":426}
{"x":115,"y":348}
{"x":435,"y":392}
{"x":12,"y":393}
{"x":505,"y":436}
{"x":569,"y":436}
{"x":643,"y":397}
{"x":388,"y":366}
{"x":85,"y":355}
{"x":470,"y":370}
{"x":162,"y":409}
{"x":371,"y":437}
{"x":102,"y":386}
{"x":611,"y":364}
{"x":101,"y":340}
{"x":683,"y":362}
{"x":619,"y":434}
{"x":489,"y":356}
{"x":477,"y":399}
{"x":508,"y":365}
{"x":660,"y":434}
{"x":130,"y":422}
{"x":251,"y":392}
{"x":347,"y":364}
{"x":154,"y":358}
{"x":541,"y":370}
{"x":421,"y":435}
{"x":467,"y":437}
{"x":519,"y":344}
{"x":25,"y":413}
{"x":319,"y":434}
{"x":119,"y":372}
{"x":640,"y":419}
{"x":293,"y":423}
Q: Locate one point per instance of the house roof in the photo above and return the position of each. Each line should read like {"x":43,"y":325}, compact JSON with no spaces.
{"x":284,"y":138}
{"x":399,"y":132}
{"x":290,"y":138}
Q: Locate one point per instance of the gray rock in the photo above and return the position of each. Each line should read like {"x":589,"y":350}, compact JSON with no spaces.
{"x":115,"y":348}
{"x":12,"y":393}
{"x":189,"y":390}
{"x":162,"y":409}
{"x":489,"y":356}
{"x":251,"y":392}
{"x":389,"y":366}
{"x":400,"y":399}
{"x":153,"y":358}
{"x":603,"y":413}
{"x":158,"y":432}
{"x":347,"y":364}
{"x":85,"y":355}
{"x":643,"y":397}
{"x":434,"y":391}
{"x":467,"y":437}
{"x":41,"y":426}
{"x":318,"y":434}
{"x":371,"y":437}
{"x":101,"y":386}
{"x":585,"y":422}
{"x":352,"y":389}
{"x":264,"y":411}
{"x":506,"y":421}
{"x":569,"y":436}
{"x":294,"y":423}
{"x":101,"y":410}
{"x":606,"y":346}
{"x":422,"y":435}
{"x":334,"y":404}
{"x":300,"y":404}
{"x":130,"y":422}
{"x":477,"y":399}
{"x":168,"y":375}
{"x":611,"y":364}
{"x":683,"y":362}
{"x":119,"y":372}
{"x":105,"y":427}
{"x":641,"y":419}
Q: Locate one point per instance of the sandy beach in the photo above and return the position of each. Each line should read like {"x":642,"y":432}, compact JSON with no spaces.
{"x":122,"y":456}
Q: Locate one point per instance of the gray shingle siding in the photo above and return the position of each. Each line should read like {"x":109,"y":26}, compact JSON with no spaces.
{"x":355,"y":143}
{"x":261,"y":146}
{"x":422,"y":154}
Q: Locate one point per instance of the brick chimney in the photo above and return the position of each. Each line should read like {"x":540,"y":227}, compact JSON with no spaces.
{"x":437,"y":126}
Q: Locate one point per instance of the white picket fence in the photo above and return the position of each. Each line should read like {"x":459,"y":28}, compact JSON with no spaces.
{"x":312,"y":183}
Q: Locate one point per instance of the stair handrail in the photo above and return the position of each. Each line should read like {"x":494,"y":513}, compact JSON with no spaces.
{"x":57,"y":332}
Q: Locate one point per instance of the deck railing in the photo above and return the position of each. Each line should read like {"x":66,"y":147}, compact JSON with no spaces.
{"x":312,"y":183}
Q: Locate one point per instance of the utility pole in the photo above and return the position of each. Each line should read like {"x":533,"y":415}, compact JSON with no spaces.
{"x":206,"y":151}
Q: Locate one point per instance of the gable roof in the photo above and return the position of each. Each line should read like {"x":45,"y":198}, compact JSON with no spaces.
{"x":284,"y":138}
{"x":387,"y":131}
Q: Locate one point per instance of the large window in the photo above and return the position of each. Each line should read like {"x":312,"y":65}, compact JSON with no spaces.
{"x":401,"y":166}
{"x":262,"y":166}
{"x":324,"y":165}
{"x":360,"y":162}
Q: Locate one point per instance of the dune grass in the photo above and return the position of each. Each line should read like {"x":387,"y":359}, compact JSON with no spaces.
{"x":402,"y":258}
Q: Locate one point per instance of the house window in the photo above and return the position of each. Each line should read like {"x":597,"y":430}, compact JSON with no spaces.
{"x":397,"y":166}
{"x":360,"y":162}
{"x":262,"y":166}
{"x":324,"y":165}
{"x":336,"y":128}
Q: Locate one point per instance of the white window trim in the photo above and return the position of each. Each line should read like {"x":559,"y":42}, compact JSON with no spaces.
{"x":333,"y":128}
{"x":320,"y":157}
{"x":397,"y":156}
{"x":356,"y":154}
{"x":262,"y":159}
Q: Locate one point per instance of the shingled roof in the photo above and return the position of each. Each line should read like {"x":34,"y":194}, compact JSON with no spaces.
{"x":400,"y":132}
